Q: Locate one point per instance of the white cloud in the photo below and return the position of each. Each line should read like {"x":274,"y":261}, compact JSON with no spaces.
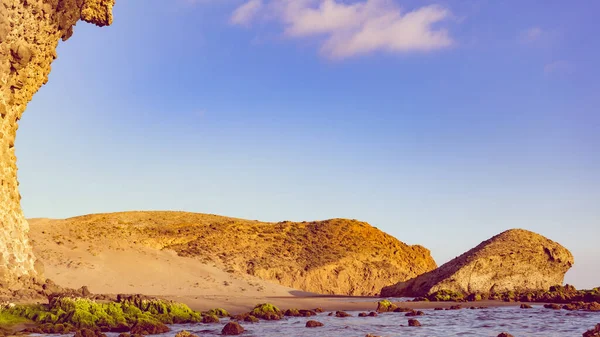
{"x":531,"y":34}
{"x":358,"y":28}
{"x":244,"y":14}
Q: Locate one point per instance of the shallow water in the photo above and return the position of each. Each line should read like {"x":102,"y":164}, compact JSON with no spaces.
{"x":372,"y":299}
{"x":536,"y":322}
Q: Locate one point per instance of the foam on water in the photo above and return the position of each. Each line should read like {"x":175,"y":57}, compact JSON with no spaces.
{"x":536,"y":322}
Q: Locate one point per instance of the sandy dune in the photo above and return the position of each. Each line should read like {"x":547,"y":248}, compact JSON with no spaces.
{"x":120,"y":266}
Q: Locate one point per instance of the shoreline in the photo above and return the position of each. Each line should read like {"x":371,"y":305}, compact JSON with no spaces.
{"x":237,"y":305}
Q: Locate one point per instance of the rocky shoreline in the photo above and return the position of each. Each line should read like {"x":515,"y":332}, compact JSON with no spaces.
{"x":88,"y":315}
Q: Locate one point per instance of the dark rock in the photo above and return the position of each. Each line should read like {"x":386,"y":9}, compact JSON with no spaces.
{"x":362,"y":314}
{"x":307,"y":313}
{"x":595,"y":332}
{"x":526,"y":306}
{"x":373,"y":314}
{"x":148,"y":328}
{"x":207,"y":319}
{"x":342,"y":314}
{"x":251,"y":319}
{"x":313,"y":324}
{"x":415,"y":313}
{"x":413,"y":322}
{"x":292,"y":313}
{"x":232,"y":329}
{"x":552,"y":306}
{"x":400,"y":309}
{"x":505,"y":334}
{"x":89,"y":333}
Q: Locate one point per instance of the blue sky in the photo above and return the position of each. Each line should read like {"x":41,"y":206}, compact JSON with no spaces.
{"x":442,"y":123}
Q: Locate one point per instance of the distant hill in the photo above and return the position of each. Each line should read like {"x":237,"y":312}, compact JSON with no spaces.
{"x":516,"y":259}
{"x":338,"y":256}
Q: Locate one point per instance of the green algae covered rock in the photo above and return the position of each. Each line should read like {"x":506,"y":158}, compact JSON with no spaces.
{"x":140,"y":315}
{"x":210,"y":319}
{"x":219,"y":312}
{"x":386,"y":306}
{"x":266,"y":311}
{"x":446,"y":295}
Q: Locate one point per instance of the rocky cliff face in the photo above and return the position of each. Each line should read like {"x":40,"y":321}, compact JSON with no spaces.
{"x":513,"y":260}
{"x":329,"y":257}
{"x":29,"y":34}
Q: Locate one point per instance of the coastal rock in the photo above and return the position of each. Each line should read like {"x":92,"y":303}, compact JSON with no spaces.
{"x":413,"y":322}
{"x":595,"y":332}
{"x":89,"y":333}
{"x":505,"y":334}
{"x":552,"y":306}
{"x":185,"y":333}
{"x":516,"y":259}
{"x":29,"y":34}
{"x":415,"y":313}
{"x":232,"y":329}
{"x":267,"y":312}
{"x":149,"y":328}
{"x":386,"y":306}
{"x":313,"y":324}
{"x":207,"y":319}
{"x":342,"y":314}
{"x":337,"y":256}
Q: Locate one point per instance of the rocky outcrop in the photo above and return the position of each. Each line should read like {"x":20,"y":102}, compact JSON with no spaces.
{"x":29,"y":34}
{"x":513,"y":260}
{"x":336,"y":256}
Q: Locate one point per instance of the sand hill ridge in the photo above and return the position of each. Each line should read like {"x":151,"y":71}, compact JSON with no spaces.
{"x":335,"y":256}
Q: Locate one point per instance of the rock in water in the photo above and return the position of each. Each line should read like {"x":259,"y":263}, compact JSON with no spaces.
{"x":29,"y":34}
{"x":595,"y":332}
{"x":513,"y":260}
{"x":313,"y":324}
{"x":413,"y":322}
{"x":232,"y":329}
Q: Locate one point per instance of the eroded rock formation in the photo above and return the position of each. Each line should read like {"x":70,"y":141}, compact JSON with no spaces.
{"x":29,"y":34}
{"x":513,"y":260}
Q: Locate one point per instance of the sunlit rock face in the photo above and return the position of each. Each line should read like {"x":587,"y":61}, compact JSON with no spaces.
{"x":29,"y":34}
{"x":514,"y":260}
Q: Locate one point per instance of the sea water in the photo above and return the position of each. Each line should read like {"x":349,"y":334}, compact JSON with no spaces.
{"x":536,"y":322}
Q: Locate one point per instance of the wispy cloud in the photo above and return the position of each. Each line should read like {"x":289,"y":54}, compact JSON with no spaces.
{"x":559,"y":67}
{"x":355,"y":28}
{"x":531,"y":34}
{"x":244,"y":14}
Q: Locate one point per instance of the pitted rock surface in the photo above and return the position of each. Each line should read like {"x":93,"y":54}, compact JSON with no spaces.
{"x":29,"y":34}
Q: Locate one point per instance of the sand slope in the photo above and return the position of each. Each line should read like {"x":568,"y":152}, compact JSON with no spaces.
{"x":123,"y":266}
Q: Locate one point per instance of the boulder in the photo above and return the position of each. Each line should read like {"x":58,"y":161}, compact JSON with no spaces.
{"x":595,"y":332}
{"x":313,"y":324}
{"x":413,"y":322}
{"x":516,"y":259}
{"x":232,"y":329}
